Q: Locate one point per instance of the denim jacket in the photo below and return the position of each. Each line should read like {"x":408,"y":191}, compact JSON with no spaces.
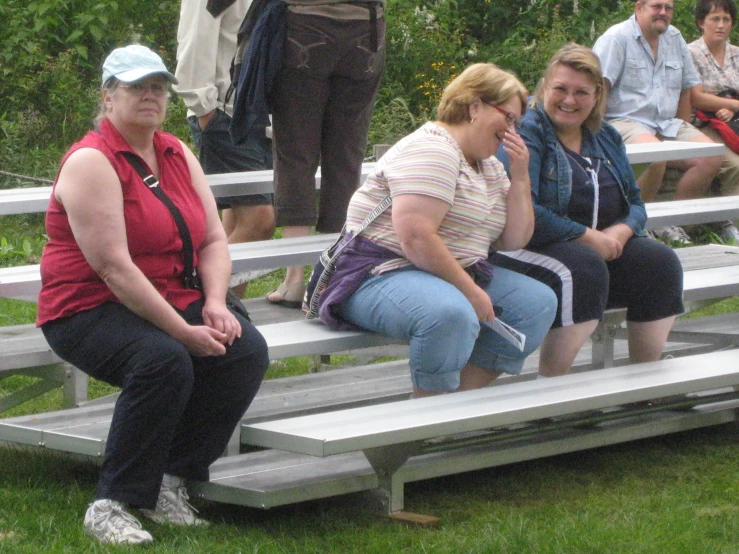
{"x":551,"y":177}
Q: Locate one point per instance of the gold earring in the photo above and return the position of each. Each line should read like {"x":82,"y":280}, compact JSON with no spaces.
{"x":472,"y":120}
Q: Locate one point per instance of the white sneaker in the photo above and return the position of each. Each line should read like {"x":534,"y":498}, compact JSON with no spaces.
{"x":110,"y":523}
{"x":729,"y":233}
{"x":672,"y":234}
{"x":172,"y":506}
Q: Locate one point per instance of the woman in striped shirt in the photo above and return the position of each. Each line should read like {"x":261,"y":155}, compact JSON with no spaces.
{"x":419,"y":271}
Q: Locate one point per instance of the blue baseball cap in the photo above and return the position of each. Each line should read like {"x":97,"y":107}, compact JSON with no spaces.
{"x":134,"y":62}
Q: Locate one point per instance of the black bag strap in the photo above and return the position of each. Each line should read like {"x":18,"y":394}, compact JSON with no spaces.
{"x":189,"y":276}
{"x":217,"y":7}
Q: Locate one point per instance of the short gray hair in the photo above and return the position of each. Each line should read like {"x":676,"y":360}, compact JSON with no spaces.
{"x":110,"y":85}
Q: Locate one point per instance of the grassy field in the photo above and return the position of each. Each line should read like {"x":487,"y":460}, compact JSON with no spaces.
{"x":675,"y":494}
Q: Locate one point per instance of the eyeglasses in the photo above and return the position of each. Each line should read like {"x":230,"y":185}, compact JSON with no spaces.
{"x":510,"y":118}
{"x":580,"y":95}
{"x":669,"y":8}
{"x":139,"y":89}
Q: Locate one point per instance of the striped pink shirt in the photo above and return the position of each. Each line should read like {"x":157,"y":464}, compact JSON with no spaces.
{"x":430,"y":162}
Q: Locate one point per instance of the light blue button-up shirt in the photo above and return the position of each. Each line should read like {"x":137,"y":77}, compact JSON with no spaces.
{"x":644,"y":89}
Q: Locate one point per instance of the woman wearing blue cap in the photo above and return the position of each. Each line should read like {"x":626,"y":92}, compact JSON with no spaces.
{"x":134,"y":281}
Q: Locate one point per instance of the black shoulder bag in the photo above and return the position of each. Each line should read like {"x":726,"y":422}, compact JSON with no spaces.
{"x":190,"y":275}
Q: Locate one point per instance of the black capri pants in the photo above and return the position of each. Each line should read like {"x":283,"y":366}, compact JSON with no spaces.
{"x":176,"y":412}
{"x":647,"y":279}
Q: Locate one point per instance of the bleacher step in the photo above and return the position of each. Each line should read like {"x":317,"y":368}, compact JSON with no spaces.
{"x":271,"y":478}
{"x":83,"y":430}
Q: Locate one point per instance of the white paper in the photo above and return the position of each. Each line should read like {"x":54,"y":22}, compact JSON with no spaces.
{"x":510,"y":334}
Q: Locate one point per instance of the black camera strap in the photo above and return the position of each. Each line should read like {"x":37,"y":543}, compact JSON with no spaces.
{"x":189,"y":276}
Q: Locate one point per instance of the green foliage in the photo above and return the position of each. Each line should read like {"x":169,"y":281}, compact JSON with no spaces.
{"x":8,"y":250}
{"x":51,"y":53}
{"x":36,"y":33}
{"x":429,"y":43}
{"x":22,"y":239}
{"x":16,"y":312}
{"x":392,"y":121}
{"x":425,"y":49}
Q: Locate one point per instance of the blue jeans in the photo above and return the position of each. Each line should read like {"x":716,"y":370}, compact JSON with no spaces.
{"x":442,"y":327}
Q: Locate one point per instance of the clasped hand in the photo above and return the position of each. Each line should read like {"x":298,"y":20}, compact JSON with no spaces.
{"x":608,"y":243}
{"x":724,"y":114}
{"x":220,"y":328}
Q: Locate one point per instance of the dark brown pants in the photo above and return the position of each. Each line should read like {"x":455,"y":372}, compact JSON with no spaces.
{"x":321,"y":109}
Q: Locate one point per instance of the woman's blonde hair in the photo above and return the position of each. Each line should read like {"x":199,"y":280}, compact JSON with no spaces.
{"x":485,"y":81}
{"x":581,"y":59}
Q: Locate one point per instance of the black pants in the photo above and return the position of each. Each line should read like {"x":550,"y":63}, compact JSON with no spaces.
{"x":176,"y":412}
{"x":219,"y":155}
{"x":647,"y":279}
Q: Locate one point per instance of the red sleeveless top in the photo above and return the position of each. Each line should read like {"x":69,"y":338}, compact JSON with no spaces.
{"x":68,"y":283}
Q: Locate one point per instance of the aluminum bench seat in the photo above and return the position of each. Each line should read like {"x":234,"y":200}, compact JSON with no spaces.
{"x":271,"y":478}
{"x":36,"y":199}
{"x":28,"y":353}
{"x":310,"y":393}
{"x":87,"y":426}
{"x":83,"y":430}
{"x":243,"y":183}
{"x":390,"y":434}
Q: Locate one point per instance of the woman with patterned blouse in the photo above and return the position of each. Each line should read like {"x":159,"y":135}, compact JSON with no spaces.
{"x":717,"y":61}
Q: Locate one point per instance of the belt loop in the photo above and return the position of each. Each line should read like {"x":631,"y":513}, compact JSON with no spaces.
{"x":372,"y":7}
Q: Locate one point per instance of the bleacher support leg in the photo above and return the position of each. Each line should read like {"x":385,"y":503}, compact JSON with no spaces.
{"x":387,"y":462}
{"x":75,"y":386}
{"x":603,"y":339}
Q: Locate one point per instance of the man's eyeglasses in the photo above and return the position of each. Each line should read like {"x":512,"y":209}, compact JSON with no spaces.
{"x":580,"y":95}
{"x":669,"y":8}
{"x":510,"y":118}
{"x":139,"y":89}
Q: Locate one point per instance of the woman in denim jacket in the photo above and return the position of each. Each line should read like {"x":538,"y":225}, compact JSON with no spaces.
{"x":589,"y":242}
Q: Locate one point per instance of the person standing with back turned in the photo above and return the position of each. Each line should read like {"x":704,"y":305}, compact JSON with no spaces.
{"x":322,"y":104}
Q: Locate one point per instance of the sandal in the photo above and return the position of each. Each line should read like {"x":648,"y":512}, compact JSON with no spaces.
{"x":290,"y":296}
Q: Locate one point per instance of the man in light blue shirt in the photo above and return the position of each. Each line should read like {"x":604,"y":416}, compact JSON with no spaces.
{"x":649,"y":73}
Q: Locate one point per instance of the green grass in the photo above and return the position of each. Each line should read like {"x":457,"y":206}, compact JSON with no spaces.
{"x":674,"y":494}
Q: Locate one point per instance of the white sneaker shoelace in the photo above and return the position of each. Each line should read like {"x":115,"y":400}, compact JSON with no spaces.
{"x":109,"y":522}
{"x":672,"y":234}
{"x":173,"y":507}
